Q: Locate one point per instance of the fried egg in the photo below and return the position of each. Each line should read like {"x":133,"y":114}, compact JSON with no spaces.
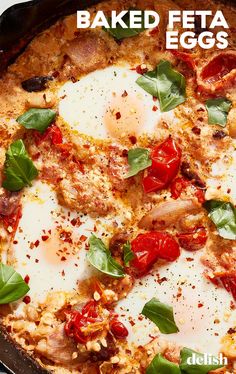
{"x":108,"y":104}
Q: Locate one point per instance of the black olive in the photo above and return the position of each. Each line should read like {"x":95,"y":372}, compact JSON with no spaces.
{"x":35,"y":84}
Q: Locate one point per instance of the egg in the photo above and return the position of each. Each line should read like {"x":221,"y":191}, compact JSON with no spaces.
{"x":49,"y":245}
{"x":109,"y":104}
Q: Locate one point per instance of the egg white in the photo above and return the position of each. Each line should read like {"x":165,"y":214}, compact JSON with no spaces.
{"x":90,"y":105}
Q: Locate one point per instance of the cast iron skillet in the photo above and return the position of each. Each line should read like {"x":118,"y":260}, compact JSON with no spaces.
{"x":21,"y":22}
{"x":18,"y":25}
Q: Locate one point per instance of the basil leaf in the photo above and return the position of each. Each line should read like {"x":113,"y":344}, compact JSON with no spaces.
{"x":12,"y":285}
{"x":19,"y":169}
{"x":121,"y":33}
{"x":162,"y":366}
{"x":161,"y":314}
{"x":223,"y":215}
{"x":100,"y":257}
{"x":37,"y":119}
{"x":218,"y":110}
{"x":188,"y":366}
{"x":138,"y":159}
{"x":166,"y":84}
{"x":128,"y":253}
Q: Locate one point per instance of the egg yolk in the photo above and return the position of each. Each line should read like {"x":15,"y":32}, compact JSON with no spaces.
{"x":124,"y":116}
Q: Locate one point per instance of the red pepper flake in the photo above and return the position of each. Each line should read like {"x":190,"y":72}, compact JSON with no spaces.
{"x":141,"y":69}
{"x":133,"y":139}
{"x":15,"y":242}
{"x":36,"y":260}
{"x":76,"y":222}
{"x":45,"y":237}
{"x":200,"y":305}
{"x":154,"y":108}
{"x":196,"y":130}
{"x":63,"y":258}
{"x":8,"y":328}
{"x":36,"y":244}
{"x":27,"y":279}
{"x":154,"y":98}
{"x":73,"y":79}
{"x":118,"y":115}
{"x":232,"y":305}
{"x":83,"y":238}
{"x":63,"y":273}
{"x":189,"y":259}
{"x":124,"y":153}
{"x":228,"y":190}
{"x":66,"y":236}
{"x":28,"y":256}
{"x":132,"y":322}
{"x":125,"y":93}
{"x":140,"y":318}
{"x":27,"y":299}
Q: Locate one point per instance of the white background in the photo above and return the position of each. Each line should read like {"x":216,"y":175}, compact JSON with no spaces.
{"x":4,"y":4}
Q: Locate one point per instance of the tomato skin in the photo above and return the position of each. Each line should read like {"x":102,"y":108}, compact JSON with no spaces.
{"x":165,"y":165}
{"x":150,"y":247}
{"x":76,"y":320}
{"x":186,"y":57}
{"x":194,"y":239}
{"x":52,"y":133}
{"x":229,"y":283}
{"x":118,"y":329}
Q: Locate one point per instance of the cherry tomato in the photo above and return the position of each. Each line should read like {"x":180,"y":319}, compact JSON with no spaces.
{"x":76,"y":320}
{"x":52,"y":133}
{"x":151,"y":246}
{"x":118,"y":329}
{"x":178,"y":186}
{"x":165,"y":165}
{"x":193,"y":240}
{"x":228,"y":280}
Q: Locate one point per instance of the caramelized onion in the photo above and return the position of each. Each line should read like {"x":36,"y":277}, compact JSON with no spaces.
{"x":168,"y":213}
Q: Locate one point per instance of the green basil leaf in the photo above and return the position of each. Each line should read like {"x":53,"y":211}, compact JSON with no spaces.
{"x":188,"y":365}
{"x":37,"y":119}
{"x":138,"y":159}
{"x":166,"y":84}
{"x":122,"y":33}
{"x":19,"y":169}
{"x":161,"y":314}
{"x":12,"y":285}
{"x":218,"y":110}
{"x":162,"y":366}
{"x":223,"y":215}
{"x":100,"y":257}
{"x":128,"y":253}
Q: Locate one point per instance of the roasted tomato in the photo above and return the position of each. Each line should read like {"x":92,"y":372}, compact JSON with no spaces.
{"x":118,"y":329}
{"x":227,"y":279}
{"x":178,"y":186}
{"x":52,"y":133}
{"x":188,"y":58}
{"x":151,"y":246}
{"x":165,"y":165}
{"x":78,"y":320}
{"x":193,"y":240}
